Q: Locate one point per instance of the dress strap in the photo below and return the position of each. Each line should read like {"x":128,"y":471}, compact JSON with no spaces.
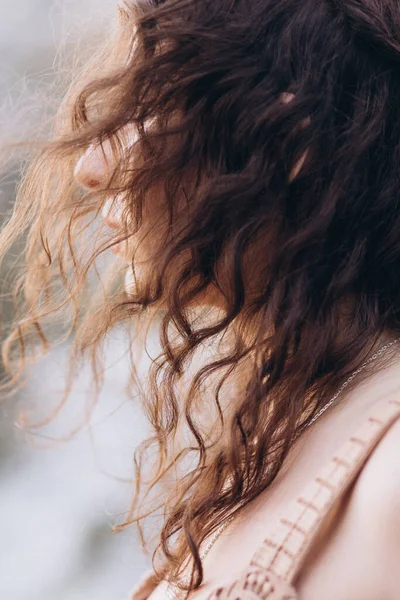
{"x":284,"y":551}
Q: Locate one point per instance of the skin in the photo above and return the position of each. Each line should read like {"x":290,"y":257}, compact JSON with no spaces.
{"x":92,"y":171}
{"x":357,"y":554}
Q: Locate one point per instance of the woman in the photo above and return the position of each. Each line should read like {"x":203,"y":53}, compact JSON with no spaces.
{"x":245,"y":157}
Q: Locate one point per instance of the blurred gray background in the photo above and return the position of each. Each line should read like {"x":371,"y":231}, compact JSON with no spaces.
{"x":58,"y":501}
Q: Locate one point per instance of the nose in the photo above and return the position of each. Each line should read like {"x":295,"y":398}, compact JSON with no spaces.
{"x":93,"y":171}
{"x":94,"y":168}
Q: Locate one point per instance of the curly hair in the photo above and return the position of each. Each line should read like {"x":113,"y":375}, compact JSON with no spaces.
{"x":265,"y":162}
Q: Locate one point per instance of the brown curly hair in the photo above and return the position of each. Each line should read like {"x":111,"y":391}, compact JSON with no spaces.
{"x":266,"y":166}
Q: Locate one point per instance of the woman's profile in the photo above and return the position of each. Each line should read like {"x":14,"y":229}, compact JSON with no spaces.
{"x":242,"y":160}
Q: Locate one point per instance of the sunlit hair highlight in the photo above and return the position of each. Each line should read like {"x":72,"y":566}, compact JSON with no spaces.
{"x":263,"y":168}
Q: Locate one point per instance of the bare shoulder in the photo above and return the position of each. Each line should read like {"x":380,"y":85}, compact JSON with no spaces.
{"x":378,"y":487}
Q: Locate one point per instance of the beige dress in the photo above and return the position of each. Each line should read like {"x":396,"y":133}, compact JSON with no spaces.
{"x":274,"y":567}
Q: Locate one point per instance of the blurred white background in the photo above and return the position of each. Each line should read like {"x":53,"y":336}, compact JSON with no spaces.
{"x":58,"y":501}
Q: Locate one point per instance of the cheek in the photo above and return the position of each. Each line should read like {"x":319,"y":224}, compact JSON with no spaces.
{"x":149,"y":243}
{"x":145,"y":271}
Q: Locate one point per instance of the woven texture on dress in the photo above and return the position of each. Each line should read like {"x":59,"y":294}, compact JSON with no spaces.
{"x":256,"y":584}
{"x":283,"y":552}
{"x":273,"y":569}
